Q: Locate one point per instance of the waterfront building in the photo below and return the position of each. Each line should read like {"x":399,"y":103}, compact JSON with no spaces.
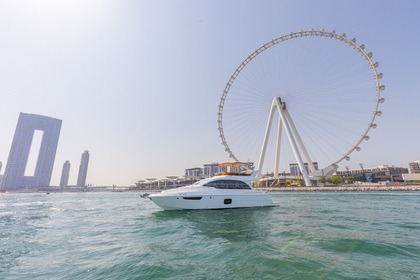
{"x":414,"y":175}
{"x":414,"y":166}
{"x":64,"y":181}
{"x":380,"y":173}
{"x":213,"y":168}
{"x":242,"y":167}
{"x":411,"y":177}
{"x":14,"y":175}
{"x":193,"y":173}
{"x":84,"y":162}
{"x":295,"y":171}
{"x":210,"y":169}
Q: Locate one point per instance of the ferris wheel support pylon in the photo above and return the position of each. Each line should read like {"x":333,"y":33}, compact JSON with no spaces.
{"x":277,"y":162}
{"x":293,"y":136}
{"x":266,"y":137}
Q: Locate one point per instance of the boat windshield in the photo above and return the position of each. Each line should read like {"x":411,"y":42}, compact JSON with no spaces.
{"x":227,"y":184}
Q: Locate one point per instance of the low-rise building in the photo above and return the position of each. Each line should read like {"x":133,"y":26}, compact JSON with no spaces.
{"x":295,"y":170}
{"x":411,"y":177}
{"x":376,"y":174}
{"x":195,"y":172}
{"x":210,"y":169}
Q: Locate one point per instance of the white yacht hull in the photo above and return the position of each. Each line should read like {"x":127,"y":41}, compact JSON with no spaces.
{"x":219,"y":192}
{"x":234,"y":199}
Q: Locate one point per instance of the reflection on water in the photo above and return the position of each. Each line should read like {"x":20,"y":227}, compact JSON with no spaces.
{"x":229,"y":224}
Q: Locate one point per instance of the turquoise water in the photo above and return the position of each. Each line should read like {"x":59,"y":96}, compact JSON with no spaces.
{"x":122,"y":236}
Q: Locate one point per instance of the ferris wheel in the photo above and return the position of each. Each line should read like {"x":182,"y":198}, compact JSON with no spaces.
{"x":322,"y":89}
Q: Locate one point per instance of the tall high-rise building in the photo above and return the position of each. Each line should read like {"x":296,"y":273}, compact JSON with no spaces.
{"x":14,"y":175}
{"x":84,"y":162}
{"x":64,"y":181}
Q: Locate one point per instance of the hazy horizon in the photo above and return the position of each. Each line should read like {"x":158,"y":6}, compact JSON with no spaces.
{"x":138,"y":84}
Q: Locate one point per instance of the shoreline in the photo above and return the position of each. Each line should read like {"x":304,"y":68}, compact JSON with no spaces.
{"x":348,"y":188}
{"x":371,"y":188}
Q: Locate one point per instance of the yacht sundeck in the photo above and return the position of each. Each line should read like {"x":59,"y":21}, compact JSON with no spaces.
{"x":229,"y":190}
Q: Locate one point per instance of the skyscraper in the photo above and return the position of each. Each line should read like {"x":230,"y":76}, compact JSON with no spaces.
{"x":65,"y":175}
{"x":14,"y":175}
{"x":84,"y":162}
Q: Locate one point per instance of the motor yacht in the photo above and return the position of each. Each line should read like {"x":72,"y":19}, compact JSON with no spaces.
{"x":228,"y":190}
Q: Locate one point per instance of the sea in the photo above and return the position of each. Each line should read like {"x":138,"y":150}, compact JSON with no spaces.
{"x":120,"y":235}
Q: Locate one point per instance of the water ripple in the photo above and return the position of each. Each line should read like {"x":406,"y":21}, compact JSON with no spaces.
{"x":120,"y":235}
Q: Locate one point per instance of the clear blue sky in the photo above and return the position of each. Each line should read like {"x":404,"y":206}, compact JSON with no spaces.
{"x":137,"y":83}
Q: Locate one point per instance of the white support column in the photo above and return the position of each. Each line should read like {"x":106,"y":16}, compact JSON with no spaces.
{"x":266,"y":137}
{"x":295,"y":150}
{"x":277,"y":159}
{"x":300,"y":142}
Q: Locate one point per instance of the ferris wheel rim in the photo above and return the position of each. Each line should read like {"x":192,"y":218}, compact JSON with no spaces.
{"x":309,"y":33}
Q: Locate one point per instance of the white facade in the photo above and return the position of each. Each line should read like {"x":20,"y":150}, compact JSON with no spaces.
{"x":295,"y":170}
{"x":213,"y":168}
{"x":411,"y":177}
{"x":195,"y":172}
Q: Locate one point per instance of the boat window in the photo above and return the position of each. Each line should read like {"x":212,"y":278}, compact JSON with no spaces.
{"x":227,"y":184}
